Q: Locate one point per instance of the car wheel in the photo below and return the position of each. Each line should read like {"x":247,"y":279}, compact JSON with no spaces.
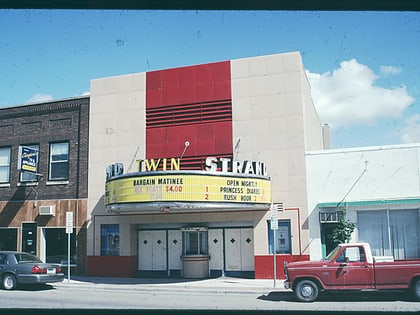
{"x":9,"y":282}
{"x":306,"y":291}
{"x":416,"y":288}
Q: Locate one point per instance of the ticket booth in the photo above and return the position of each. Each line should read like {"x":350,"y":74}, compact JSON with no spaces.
{"x":195,"y":255}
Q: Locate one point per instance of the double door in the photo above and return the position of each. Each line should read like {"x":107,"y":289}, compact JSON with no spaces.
{"x":231,"y":250}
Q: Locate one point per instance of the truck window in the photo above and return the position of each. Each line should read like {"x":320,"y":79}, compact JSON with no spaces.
{"x":352,"y":254}
{"x":331,"y":256}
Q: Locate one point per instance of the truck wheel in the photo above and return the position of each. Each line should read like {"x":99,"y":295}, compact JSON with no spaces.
{"x":9,"y":282}
{"x":306,"y":291}
{"x":416,"y":288}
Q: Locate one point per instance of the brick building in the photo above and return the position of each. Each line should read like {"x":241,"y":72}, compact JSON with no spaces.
{"x":33,"y":206}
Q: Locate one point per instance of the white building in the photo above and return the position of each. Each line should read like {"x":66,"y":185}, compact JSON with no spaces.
{"x":378,"y":187}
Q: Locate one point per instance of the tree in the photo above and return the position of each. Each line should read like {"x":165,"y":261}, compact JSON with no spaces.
{"x":342,"y":232}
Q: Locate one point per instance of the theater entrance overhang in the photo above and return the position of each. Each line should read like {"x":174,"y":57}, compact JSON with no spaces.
{"x":186,"y":191}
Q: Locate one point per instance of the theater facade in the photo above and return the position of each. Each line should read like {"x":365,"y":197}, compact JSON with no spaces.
{"x":199,"y":171}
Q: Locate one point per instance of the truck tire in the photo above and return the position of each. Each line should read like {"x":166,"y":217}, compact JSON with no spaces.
{"x":306,"y":291}
{"x":9,"y":282}
{"x":415,"y":287}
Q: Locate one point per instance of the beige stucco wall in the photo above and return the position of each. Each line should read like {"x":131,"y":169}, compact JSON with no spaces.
{"x":117,"y":132}
{"x":275,"y":120}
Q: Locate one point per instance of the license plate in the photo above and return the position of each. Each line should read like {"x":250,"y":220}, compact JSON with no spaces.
{"x":50,"y":270}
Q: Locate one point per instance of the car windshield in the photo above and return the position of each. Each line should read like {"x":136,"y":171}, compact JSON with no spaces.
{"x":22,"y":258}
{"x":331,"y":256}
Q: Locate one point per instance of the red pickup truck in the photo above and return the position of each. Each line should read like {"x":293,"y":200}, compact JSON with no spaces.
{"x":351,"y":267}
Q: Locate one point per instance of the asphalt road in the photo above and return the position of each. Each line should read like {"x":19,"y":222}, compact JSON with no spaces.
{"x":197,"y":298}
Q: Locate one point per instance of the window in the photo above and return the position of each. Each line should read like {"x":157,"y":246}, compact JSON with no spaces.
{"x":352,"y":254}
{"x":5,"y":165}
{"x":110,"y":240}
{"x":56,"y":246}
{"x":3,"y":259}
{"x":8,"y":239}
{"x":393,"y":232}
{"x":281,"y":236}
{"x":195,"y":241}
{"x":28,"y":176}
{"x":59,"y":161}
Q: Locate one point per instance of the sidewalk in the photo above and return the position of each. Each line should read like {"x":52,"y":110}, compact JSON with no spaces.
{"x":221,"y":284}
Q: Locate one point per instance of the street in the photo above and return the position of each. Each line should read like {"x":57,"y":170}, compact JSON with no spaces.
{"x":197,"y":296}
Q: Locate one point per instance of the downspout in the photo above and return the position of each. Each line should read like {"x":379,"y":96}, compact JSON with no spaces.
{"x":299,"y":227}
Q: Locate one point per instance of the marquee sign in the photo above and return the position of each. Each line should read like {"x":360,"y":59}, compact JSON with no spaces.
{"x":187,"y":186}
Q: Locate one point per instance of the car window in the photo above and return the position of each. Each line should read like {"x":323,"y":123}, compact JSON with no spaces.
{"x":3,"y":259}
{"x":26,"y":258}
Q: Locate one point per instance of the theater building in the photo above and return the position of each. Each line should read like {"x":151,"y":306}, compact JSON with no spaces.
{"x":200,"y":171}
{"x":35,"y":197}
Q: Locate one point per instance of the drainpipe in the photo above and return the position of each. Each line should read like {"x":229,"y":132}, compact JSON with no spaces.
{"x":299,"y":227}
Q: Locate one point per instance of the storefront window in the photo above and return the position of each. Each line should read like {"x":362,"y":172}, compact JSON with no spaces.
{"x":195,"y":241}
{"x":281,"y":236}
{"x":56,"y":248}
{"x":110,"y":240}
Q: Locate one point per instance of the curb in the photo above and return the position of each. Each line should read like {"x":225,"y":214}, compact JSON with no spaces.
{"x":220,"y":286}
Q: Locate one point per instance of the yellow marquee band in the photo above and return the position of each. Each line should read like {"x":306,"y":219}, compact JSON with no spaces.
{"x":187,"y":187}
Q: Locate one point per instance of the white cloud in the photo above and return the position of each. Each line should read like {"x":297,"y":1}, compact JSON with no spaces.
{"x":390,"y":70}
{"x":86,"y":93}
{"x":37,"y":98}
{"x":348,"y":96}
{"x":411,"y":133}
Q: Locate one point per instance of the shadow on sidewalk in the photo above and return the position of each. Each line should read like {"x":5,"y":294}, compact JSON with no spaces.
{"x":388,"y":296}
{"x":125,"y":281}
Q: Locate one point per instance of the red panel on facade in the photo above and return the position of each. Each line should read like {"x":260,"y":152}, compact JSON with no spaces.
{"x":205,"y":139}
{"x":264,"y":265}
{"x":187,"y":76}
{"x":154,"y":80}
{"x":223,"y":137}
{"x":186,"y":94}
{"x":111,"y":266}
{"x":202,"y":83}
{"x":189,"y":104}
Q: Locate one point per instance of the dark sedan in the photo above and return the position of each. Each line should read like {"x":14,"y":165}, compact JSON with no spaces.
{"x":24,"y":268}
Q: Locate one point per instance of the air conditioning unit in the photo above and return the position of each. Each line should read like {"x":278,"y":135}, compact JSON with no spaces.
{"x":47,"y":210}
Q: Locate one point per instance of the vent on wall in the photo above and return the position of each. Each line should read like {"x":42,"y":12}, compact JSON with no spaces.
{"x":47,"y":210}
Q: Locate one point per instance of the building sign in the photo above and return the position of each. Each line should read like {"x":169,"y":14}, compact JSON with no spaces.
{"x":187,"y":186}
{"x":234,"y":166}
{"x":212,"y":164}
{"x":28,"y":159}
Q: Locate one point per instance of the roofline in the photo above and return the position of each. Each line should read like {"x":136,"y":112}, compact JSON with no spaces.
{"x":364,"y":149}
{"x":45,"y":102}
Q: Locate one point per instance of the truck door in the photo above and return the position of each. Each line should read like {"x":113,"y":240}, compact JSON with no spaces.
{"x":354,"y":270}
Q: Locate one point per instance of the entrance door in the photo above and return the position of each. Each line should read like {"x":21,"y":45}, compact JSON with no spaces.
{"x":215,"y":239}
{"x":239,"y":244}
{"x":29,"y":237}
{"x":152,"y":250}
{"x":175,"y":249}
{"x":326,"y":238}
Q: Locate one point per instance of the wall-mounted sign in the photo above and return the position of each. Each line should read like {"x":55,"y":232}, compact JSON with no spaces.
{"x":212,"y":164}
{"x":234,"y":166}
{"x":28,"y":159}
{"x":191,"y":186}
{"x":114,"y":170}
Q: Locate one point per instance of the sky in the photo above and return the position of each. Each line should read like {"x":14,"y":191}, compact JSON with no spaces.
{"x":363,"y":67}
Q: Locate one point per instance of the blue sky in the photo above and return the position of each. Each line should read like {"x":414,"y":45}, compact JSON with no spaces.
{"x":364,"y":67}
